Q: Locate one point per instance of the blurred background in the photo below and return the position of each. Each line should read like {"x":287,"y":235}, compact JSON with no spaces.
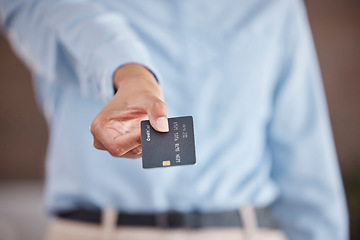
{"x":23,"y":134}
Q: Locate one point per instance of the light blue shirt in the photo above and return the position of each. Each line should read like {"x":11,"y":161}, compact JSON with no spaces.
{"x":245,"y":70}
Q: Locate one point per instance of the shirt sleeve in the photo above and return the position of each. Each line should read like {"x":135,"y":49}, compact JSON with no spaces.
{"x":311,"y":203}
{"x":88,"y":37}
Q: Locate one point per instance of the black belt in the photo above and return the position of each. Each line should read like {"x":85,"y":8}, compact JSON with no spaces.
{"x":161,"y":220}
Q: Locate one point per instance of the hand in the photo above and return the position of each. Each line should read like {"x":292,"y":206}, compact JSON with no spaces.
{"x":117,"y":127}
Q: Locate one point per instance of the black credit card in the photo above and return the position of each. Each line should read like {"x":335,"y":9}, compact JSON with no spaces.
{"x":174,"y":148}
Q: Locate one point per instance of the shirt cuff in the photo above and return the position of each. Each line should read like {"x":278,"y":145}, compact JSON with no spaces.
{"x":108,"y":57}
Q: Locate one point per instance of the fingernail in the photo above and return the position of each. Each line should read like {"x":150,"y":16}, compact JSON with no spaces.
{"x":162,"y":124}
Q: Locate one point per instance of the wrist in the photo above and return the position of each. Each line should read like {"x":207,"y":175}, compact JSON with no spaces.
{"x":129,"y":72}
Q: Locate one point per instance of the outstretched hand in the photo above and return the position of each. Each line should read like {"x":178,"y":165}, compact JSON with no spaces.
{"x":116,"y":128}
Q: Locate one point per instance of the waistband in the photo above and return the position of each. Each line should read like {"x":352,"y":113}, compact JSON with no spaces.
{"x":171,"y":219}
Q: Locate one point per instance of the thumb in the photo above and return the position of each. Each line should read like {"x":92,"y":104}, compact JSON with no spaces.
{"x":156,"y":110}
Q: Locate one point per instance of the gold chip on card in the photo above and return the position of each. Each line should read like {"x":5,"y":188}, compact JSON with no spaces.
{"x":166,"y":163}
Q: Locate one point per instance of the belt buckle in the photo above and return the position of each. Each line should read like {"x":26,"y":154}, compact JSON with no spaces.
{"x":171,"y":219}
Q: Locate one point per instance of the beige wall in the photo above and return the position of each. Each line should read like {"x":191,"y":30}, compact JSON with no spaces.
{"x":23,"y":131}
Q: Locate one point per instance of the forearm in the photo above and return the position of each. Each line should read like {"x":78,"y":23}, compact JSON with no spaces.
{"x":91,"y":40}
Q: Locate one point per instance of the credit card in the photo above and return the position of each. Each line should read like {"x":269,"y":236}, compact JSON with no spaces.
{"x":174,"y":148}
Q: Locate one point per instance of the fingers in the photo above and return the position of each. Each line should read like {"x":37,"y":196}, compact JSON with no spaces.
{"x":98,"y":145}
{"x":120,"y":134}
{"x":122,"y":144}
{"x":116,"y":142}
{"x":156,"y":110}
{"x":133,"y":153}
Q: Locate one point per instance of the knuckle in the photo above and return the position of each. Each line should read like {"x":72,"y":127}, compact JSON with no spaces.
{"x":135,"y":156}
{"x":95,"y":125}
{"x":158,"y":104}
{"x":136,"y":151}
{"x":112,"y":154}
{"x":96,"y":146}
{"x":117,"y":152}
